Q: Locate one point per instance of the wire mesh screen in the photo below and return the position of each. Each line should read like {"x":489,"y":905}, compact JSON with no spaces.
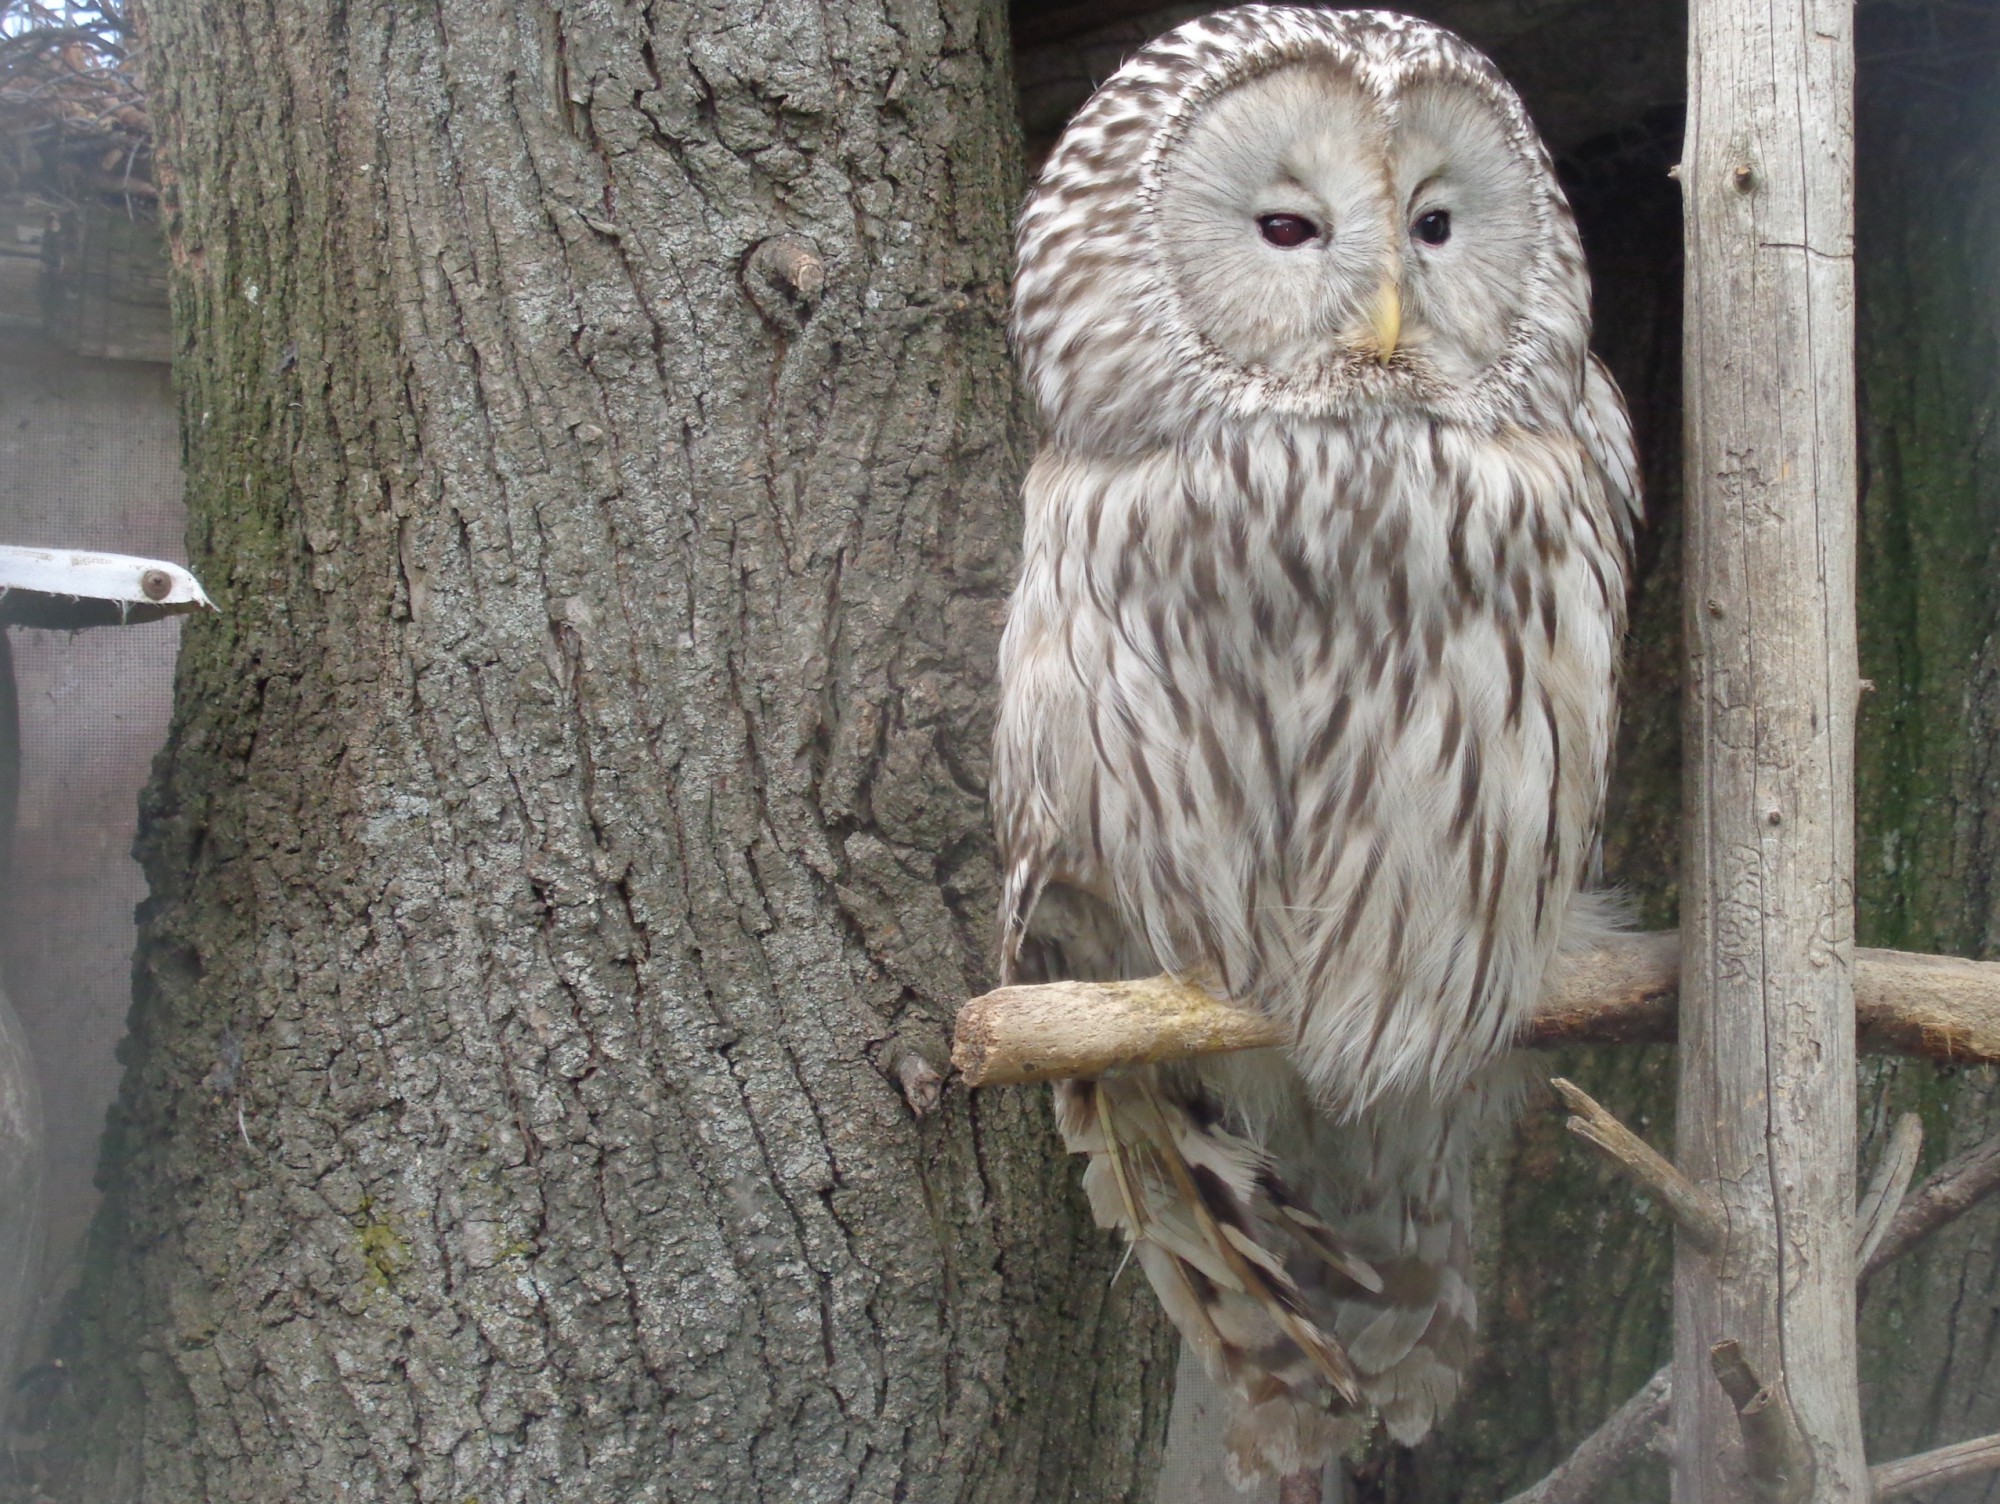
{"x":89,"y":458}
{"x":1192,"y":1470}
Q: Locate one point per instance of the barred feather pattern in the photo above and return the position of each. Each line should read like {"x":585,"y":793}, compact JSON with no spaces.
{"x":1308,"y":691}
{"x":1319,"y":1267}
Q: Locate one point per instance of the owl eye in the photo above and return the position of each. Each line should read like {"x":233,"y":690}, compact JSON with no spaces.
{"x":1433,"y":228}
{"x":1286,"y":230}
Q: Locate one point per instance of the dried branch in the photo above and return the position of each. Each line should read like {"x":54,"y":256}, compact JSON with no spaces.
{"x":1939,"y":1007}
{"x":1621,"y":993}
{"x":1583,"y":1476}
{"x":1897,"y":1224}
{"x":1625,"y":992}
{"x":1057,"y":1029}
{"x":71,"y":101}
{"x":1694,"y":1211}
{"x":1886,"y":1190}
{"x":1952,"y":1190}
{"x":1927,"y":1469}
{"x":1775,"y":1456}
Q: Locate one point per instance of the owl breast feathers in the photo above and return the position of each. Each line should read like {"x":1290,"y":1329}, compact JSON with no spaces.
{"x":1308,"y":683}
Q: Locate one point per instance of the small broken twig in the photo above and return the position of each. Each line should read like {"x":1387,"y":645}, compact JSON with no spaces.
{"x":1694,"y":1211}
{"x":1886,"y":1190}
{"x":920,"y":1082}
{"x":1775,"y":1456}
{"x":1927,"y":1469}
{"x":1952,"y":1190}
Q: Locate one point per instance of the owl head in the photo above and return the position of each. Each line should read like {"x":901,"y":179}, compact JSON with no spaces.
{"x":1282,"y":211}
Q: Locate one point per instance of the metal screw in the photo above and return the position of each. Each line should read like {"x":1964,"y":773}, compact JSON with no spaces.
{"x":157,"y":584}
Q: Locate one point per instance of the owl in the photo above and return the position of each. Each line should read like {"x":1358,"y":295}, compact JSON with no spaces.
{"x":1308,"y":684}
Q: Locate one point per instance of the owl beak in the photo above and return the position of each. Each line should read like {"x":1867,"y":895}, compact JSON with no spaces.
{"x":1386,"y":319}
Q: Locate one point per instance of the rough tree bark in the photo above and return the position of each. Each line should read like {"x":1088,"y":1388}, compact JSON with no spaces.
{"x":571,"y":840}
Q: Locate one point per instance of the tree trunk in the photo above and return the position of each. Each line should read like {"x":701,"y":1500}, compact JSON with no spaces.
{"x":571,"y":844}
{"x":1766,"y":1113}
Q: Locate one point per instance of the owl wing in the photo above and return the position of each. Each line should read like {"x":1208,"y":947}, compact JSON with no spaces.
{"x":1319,"y":1267}
{"x":1397,"y":1182}
{"x":1040,"y":763}
{"x":1241,"y":1228}
{"x":1606,"y":431}
{"x":1239,"y":1262}
{"x":1241,"y":1265}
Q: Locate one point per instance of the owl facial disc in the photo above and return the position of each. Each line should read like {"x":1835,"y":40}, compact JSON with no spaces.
{"x":1310,"y":213}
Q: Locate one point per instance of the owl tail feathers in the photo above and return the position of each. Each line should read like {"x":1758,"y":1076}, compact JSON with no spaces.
{"x":1212,"y":1227}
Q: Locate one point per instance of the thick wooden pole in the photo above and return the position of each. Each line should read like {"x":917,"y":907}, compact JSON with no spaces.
{"x":1767,"y":1114}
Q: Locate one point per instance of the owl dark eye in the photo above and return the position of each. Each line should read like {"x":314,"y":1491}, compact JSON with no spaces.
{"x":1433,"y":228}
{"x":1286,"y":230}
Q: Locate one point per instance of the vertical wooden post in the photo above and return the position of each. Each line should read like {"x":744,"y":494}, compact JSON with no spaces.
{"x":1767,"y":1113}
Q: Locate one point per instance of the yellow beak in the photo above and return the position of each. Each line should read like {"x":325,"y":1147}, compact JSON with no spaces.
{"x":1386,"y":320}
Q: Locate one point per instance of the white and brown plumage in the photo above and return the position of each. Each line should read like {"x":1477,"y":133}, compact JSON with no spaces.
{"x":1308,"y":684}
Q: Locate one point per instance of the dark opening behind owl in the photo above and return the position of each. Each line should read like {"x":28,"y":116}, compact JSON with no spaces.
{"x":1308,"y":684}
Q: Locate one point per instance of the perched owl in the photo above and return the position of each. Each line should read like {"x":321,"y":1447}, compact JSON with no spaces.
{"x":1308,"y":683}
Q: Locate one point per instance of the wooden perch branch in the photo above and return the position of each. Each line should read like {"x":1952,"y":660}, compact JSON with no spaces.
{"x":1694,"y":1211}
{"x":1623,"y":993}
{"x":1928,"y":1469}
{"x":1775,"y":1456}
{"x":1583,"y":1476}
{"x":1057,"y":1029}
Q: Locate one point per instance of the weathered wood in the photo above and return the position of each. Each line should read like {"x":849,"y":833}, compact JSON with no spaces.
{"x":1776,"y":1462}
{"x":1693,"y":1210}
{"x":1766,"y":1110}
{"x":1879,"y":1204}
{"x":1955,"y":1188}
{"x":1624,"y":992}
{"x":1951,"y":1191}
{"x":1965,"y":1459}
{"x":1583,"y":1476}
{"x":1051,"y":1031}
{"x":1936,"y":1007}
